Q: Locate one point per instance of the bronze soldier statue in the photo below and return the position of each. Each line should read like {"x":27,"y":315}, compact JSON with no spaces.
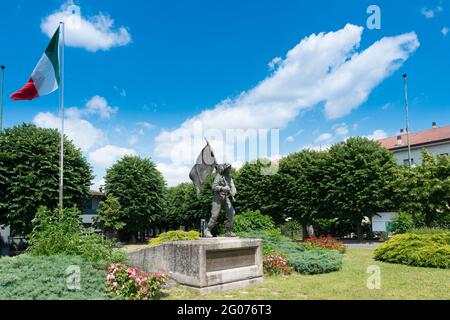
{"x":224,"y":192}
{"x":223,"y":187}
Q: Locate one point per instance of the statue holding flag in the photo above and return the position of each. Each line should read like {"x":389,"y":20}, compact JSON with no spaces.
{"x":223,"y":187}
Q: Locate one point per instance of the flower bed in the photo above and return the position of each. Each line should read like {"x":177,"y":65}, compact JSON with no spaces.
{"x":133,"y":284}
{"x":275,"y":264}
{"x":326,"y":243}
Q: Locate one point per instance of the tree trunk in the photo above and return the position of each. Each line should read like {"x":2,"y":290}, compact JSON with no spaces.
{"x":359,"y":231}
{"x":133,"y":237}
{"x":310,"y":230}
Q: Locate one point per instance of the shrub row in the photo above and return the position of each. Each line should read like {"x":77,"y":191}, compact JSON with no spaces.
{"x":421,"y":250}
{"x":303,"y":258}
{"x":51,"y":278}
{"x":316,"y":261}
{"x":177,"y":235}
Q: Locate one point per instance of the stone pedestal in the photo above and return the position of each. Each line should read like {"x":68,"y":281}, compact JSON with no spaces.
{"x":206,"y":265}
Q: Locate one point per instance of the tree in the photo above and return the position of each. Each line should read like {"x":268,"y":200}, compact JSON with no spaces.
{"x":299,"y":185}
{"x":358,"y":180}
{"x":29,"y":175}
{"x":255,"y":191}
{"x":139,"y":187}
{"x":424,"y":191}
{"x":109,"y":216}
{"x":185,"y":207}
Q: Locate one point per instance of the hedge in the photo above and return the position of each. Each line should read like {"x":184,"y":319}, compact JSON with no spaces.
{"x":421,"y":250}
{"x":316,"y":261}
{"x":45,"y":278}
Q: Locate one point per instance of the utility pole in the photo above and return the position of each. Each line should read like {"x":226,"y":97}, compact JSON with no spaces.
{"x":405,"y":77}
{"x":1,"y":97}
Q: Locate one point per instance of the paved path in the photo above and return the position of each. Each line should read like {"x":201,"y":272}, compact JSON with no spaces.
{"x":362,"y":245}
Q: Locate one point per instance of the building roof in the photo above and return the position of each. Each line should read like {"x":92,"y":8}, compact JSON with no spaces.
{"x":418,"y":138}
{"x":97,"y":193}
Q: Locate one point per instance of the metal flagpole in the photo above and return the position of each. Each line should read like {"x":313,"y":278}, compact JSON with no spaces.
{"x":61,"y":110}
{"x":407,"y":119}
{"x":1,"y":97}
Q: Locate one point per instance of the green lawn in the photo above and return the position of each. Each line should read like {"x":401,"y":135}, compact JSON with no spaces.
{"x":397,"y":282}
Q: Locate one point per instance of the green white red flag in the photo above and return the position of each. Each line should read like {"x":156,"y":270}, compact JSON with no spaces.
{"x":45,"y":77}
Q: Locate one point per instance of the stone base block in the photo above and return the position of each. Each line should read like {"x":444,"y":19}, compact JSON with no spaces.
{"x":205,"y":265}
{"x":230,"y":286}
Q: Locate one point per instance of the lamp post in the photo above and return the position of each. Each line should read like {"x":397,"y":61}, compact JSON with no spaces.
{"x":405,"y":77}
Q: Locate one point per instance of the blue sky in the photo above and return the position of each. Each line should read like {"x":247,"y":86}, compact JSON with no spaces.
{"x":139,"y":73}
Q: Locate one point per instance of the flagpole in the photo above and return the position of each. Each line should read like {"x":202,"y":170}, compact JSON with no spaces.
{"x":407,"y":119}
{"x":61,"y":110}
{"x":1,"y":97}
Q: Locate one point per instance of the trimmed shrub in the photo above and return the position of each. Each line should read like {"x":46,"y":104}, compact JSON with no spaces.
{"x":402,"y":223}
{"x":62,"y":233}
{"x":171,"y":236}
{"x":46,"y":278}
{"x":134,"y":284}
{"x":274,"y":241}
{"x":326,"y":243}
{"x":316,"y":261}
{"x":253,"y":221}
{"x":421,"y":250}
{"x":429,"y":230}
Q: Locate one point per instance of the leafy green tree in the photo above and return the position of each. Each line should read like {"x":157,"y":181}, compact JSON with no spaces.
{"x":424,"y":191}
{"x":185,"y":207}
{"x":29,"y":175}
{"x":139,"y":187}
{"x":255,"y":190}
{"x":298,"y":187}
{"x":358,"y":180}
{"x":109,"y":216}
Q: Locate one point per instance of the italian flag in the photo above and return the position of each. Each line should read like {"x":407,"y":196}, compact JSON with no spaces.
{"x":45,"y":77}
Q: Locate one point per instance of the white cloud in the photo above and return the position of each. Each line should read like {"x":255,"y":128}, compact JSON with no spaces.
{"x":314,"y":147}
{"x":377,"y":135}
{"x":133,"y":139}
{"x":91,"y":33}
{"x":146,"y":125}
{"x":322,"y":68}
{"x":428,"y":13}
{"x":387,"y":106}
{"x":107,"y":155}
{"x":324,"y":137}
{"x":174,"y":174}
{"x":341,"y":129}
{"x":96,"y":105}
{"x":290,"y":139}
{"x":99,"y":105}
{"x":82,"y":132}
{"x":99,"y":183}
{"x":445,"y":31}
{"x":275,"y":63}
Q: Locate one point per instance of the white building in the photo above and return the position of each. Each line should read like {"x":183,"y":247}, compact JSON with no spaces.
{"x":435,"y":140}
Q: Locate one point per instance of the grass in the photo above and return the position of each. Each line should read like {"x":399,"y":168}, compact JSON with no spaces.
{"x":397,"y":282}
